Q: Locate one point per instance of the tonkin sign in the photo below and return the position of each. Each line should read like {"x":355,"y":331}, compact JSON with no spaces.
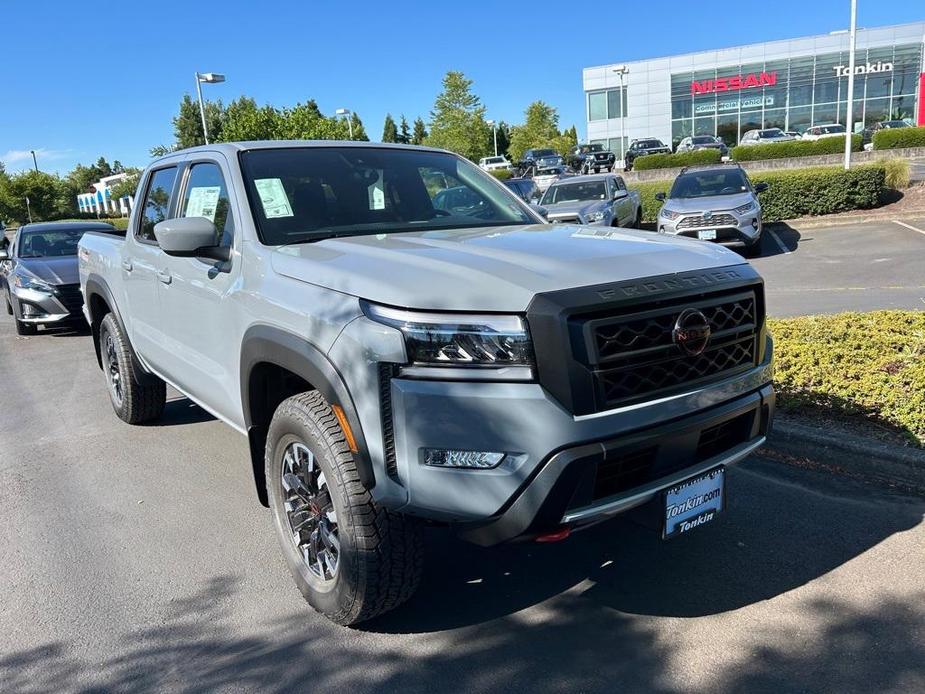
{"x":868,"y":69}
{"x":734,"y":83}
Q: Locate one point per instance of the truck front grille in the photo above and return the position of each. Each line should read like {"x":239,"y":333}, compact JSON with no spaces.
{"x":701,"y":222}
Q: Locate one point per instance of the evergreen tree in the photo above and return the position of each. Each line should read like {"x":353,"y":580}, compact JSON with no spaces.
{"x":457,"y":121}
{"x":420,"y":132}
{"x":540,"y":129}
{"x":359,"y":132}
{"x":187,"y":124}
{"x":389,"y":129}
{"x":404,"y":132}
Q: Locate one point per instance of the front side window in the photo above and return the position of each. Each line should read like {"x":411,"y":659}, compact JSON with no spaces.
{"x":303,"y":194}
{"x":157,"y":202}
{"x":206,"y":196}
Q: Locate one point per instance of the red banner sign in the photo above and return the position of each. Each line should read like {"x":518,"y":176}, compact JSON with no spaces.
{"x":921,"y":118}
{"x":734,"y":83}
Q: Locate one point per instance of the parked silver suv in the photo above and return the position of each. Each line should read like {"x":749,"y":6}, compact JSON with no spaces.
{"x":714,"y":203}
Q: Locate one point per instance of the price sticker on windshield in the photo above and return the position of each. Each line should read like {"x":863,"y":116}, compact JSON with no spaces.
{"x":273,"y":198}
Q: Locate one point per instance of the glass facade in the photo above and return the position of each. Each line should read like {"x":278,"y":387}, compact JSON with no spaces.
{"x":795,"y":93}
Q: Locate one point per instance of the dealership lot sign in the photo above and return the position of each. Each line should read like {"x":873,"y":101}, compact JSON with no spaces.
{"x":868,"y":69}
{"x":734,"y":83}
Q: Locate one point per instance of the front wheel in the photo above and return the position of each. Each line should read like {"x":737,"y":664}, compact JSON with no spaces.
{"x":351,"y":559}
{"x":133,"y":401}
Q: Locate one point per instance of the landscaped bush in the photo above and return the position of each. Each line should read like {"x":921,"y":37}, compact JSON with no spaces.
{"x":862,"y":365}
{"x":897,"y":172}
{"x":894,"y":138}
{"x":795,"y":148}
{"x":819,"y":190}
{"x":796,"y":192}
{"x":501,"y":174}
{"x":120,"y":223}
{"x":668,"y":161}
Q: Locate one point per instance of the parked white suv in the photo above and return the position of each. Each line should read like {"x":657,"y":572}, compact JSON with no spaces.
{"x":495,"y":163}
{"x":817,"y":132}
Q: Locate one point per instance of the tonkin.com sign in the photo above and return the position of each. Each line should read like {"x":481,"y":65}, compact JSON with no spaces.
{"x":868,"y":69}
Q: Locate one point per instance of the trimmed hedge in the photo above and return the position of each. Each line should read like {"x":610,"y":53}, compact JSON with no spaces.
{"x":668,"y":161}
{"x":894,"y":138}
{"x":119,"y":223}
{"x":854,"y":365}
{"x":797,"y":192}
{"x":501,"y":174}
{"x":795,"y":148}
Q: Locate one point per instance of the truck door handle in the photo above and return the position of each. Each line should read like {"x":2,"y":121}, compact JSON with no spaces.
{"x":164,"y":276}
{"x":127,"y":265}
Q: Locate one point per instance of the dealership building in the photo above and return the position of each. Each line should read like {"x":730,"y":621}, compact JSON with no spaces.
{"x":791,"y":84}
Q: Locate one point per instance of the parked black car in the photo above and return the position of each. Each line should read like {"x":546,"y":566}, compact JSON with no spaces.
{"x":524,"y":188}
{"x":640,"y":148}
{"x":591,"y":158}
{"x":539,"y":158}
{"x":867,"y":134}
{"x":38,"y":273}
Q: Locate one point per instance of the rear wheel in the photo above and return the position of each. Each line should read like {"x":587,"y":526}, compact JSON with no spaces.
{"x":134,"y":402}
{"x":351,"y":559}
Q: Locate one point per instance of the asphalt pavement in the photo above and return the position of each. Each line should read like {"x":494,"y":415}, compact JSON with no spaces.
{"x":137,"y":559}
{"x":850,"y":267}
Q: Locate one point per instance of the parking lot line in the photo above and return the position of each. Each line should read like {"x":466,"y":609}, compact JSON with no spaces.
{"x":908,"y":226}
{"x":780,"y":244}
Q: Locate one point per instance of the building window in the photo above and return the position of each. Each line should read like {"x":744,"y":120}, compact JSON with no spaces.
{"x":607,"y":105}
{"x":597,"y":106}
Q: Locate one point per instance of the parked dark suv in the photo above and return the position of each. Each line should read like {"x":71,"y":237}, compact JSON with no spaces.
{"x":640,"y":148}
{"x":539,"y":158}
{"x":591,"y":158}
{"x":38,"y":273}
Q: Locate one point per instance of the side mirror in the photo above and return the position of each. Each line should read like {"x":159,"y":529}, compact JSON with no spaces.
{"x":189,"y":237}
{"x":660,"y":197}
{"x":540,"y":210}
{"x":761,"y":187}
{"x":619,"y":194}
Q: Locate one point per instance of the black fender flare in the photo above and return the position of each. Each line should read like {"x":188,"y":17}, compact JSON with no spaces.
{"x":97,"y":286}
{"x":268,"y":344}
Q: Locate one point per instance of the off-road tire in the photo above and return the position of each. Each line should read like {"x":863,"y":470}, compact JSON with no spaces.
{"x":381,"y":552}
{"x":140,"y":402}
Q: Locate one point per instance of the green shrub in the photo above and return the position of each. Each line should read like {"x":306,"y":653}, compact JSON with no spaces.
{"x":897,"y":172}
{"x":894,"y":138}
{"x":855,"y":365}
{"x":501,"y":174}
{"x":647,"y":191}
{"x":668,"y":161}
{"x":819,"y":190}
{"x":119,"y":223}
{"x":795,"y":148}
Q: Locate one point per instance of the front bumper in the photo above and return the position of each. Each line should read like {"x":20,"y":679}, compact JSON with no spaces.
{"x":731,"y":229}
{"x":40,"y":307}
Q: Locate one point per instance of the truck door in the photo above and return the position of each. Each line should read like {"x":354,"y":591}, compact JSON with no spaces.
{"x":196,"y":294}
{"x":140,"y":265}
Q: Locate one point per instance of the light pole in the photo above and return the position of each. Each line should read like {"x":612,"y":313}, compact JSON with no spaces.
{"x":494,"y":132}
{"x":34,"y":162}
{"x":29,"y":209}
{"x":346,"y":113}
{"x":210,"y":78}
{"x":849,"y":121}
{"x":621,"y":70}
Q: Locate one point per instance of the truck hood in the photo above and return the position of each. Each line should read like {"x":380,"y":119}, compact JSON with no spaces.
{"x":57,"y":270}
{"x":714,"y":203}
{"x":490,"y":269}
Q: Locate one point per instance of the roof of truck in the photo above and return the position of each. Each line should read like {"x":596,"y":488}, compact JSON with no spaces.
{"x":233,"y":147}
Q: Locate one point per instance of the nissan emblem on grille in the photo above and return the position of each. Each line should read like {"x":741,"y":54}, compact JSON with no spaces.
{"x":691,"y":332}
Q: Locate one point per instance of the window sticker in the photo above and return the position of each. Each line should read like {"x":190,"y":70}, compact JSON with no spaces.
{"x":203,"y":201}
{"x":273,"y":198}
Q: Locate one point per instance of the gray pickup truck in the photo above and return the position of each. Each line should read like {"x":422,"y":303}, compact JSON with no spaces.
{"x":394,"y":362}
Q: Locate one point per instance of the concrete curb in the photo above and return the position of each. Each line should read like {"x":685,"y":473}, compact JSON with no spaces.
{"x":838,"y":450}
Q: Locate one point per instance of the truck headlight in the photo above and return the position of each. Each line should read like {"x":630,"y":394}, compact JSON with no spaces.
{"x":669,"y":214}
{"x":24,"y":281}
{"x":442,"y":345}
{"x":595,"y":216}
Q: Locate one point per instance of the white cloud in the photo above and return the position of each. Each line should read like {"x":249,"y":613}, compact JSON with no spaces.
{"x":22,"y":158}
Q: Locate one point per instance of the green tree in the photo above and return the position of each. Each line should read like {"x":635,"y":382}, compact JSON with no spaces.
{"x":540,"y":129}
{"x":420,"y":132}
{"x":359,"y":132}
{"x":457,"y":121}
{"x":404,"y":132}
{"x":389,"y":129}
{"x":504,"y":138}
{"x":49,"y":196}
{"x":187,"y":124}
{"x":126,"y":186}
{"x":244,"y":120}
{"x":567,"y":140}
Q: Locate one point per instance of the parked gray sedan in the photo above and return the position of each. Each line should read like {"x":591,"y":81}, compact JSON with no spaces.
{"x":38,"y":273}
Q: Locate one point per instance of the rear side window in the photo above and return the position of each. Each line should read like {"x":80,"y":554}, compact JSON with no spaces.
{"x":157,"y":202}
{"x":207,"y":196}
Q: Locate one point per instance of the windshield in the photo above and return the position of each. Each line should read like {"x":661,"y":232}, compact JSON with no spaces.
{"x":703,"y":140}
{"x":540,"y":153}
{"x":591,"y":148}
{"x":702,"y":184}
{"x":494,"y":160}
{"x":770,"y":133}
{"x":575,"y":192}
{"x":49,"y":244}
{"x":645,"y":144}
{"x":306,"y":193}
{"x":833,"y":129}
{"x":895,"y":124}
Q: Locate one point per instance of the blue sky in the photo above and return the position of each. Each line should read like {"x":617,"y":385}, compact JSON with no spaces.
{"x":80,"y":80}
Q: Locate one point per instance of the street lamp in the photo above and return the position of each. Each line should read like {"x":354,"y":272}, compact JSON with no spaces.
{"x":210,"y":78}
{"x":346,"y":113}
{"x":621,"y":70}
{"x":849,"y":120}
{"x":34,"y":162}
{"x":494,"y":132}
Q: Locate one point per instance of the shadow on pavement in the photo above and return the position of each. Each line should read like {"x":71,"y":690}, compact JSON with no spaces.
{"x":179,"y":411}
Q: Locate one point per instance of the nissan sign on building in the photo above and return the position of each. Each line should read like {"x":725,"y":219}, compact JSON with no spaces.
{"x":790,"y":85}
